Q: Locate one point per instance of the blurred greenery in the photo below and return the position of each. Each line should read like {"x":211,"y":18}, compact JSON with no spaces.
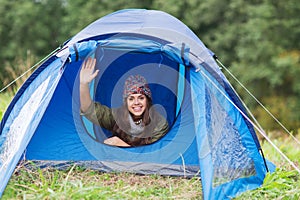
{"x":257,"y":40}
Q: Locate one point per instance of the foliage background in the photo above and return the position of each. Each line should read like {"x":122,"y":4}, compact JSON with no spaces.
{"x":257,"y":39}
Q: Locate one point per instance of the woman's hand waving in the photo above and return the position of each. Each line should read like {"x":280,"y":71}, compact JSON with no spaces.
{"x":88,"y":72}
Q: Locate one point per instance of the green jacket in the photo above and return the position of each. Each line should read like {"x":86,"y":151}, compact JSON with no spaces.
{"x":104,"y":116}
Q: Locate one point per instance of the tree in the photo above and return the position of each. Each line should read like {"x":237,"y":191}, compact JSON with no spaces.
{"x":29,"y":28}
{"x":256,"y":39}
{"x":266,"y":56}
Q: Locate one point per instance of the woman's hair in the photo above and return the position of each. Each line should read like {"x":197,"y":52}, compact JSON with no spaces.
{"x":122,"y":125}
{"x":134,"y":84}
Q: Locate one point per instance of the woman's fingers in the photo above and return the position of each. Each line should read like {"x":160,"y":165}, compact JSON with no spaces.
{"x":95,"y":73}
{"x":87,"y":73}
{"x":89,"y":63}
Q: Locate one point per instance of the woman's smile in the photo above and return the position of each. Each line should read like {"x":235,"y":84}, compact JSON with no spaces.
{"x":137,"y":108}
{"x":137,"y":104}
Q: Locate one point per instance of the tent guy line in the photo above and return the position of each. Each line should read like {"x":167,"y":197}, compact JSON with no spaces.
{"x":28,"y":70}
{"x":256,"y":127}
{"x":259,"y":102}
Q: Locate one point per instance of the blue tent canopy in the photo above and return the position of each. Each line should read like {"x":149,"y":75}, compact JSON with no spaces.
{"x":208,"y":133}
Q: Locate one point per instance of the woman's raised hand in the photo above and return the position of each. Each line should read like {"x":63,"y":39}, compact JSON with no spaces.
{"x":88,"y":72}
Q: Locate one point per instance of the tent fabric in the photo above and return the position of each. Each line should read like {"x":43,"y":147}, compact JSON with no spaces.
{"x":208,"y":135}
{"x":28,"y":107}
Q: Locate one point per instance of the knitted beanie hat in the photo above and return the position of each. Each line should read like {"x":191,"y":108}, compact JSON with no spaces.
{"x":136,"y":85}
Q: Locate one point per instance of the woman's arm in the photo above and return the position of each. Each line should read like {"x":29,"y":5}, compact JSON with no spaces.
{"x":87,"y":74}
{"x":116,"y":141}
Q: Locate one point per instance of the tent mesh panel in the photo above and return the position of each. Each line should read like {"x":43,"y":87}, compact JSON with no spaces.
{"x":230,"y":159}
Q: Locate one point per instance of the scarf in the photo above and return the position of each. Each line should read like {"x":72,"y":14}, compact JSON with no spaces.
{"x":135,"y":129}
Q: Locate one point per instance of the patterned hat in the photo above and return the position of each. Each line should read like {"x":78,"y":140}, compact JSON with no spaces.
{"x":136,"y":85}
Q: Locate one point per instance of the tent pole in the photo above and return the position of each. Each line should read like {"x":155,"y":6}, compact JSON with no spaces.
{"x":262,"y":153}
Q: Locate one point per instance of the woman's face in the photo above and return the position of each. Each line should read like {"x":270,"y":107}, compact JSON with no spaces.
{"x":136,"y":104}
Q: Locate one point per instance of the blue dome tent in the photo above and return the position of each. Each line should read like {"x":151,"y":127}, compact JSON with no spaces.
{"x":210,"y":133}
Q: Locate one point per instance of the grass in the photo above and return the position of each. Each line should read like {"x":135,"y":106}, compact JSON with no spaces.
{"x":79,"y":183}
{"x":31,"y":182}
{"x":5,"y":99}
{"x":284,"y":183}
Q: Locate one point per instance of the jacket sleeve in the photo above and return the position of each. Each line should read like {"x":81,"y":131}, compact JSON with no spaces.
{"x":161,"y":129}
{"x":100,"y":115}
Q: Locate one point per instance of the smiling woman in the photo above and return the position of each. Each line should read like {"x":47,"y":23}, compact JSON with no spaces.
{"x":133,"y":124}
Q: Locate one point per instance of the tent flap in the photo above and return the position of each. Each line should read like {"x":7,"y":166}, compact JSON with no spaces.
{"x":177,"y":52}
